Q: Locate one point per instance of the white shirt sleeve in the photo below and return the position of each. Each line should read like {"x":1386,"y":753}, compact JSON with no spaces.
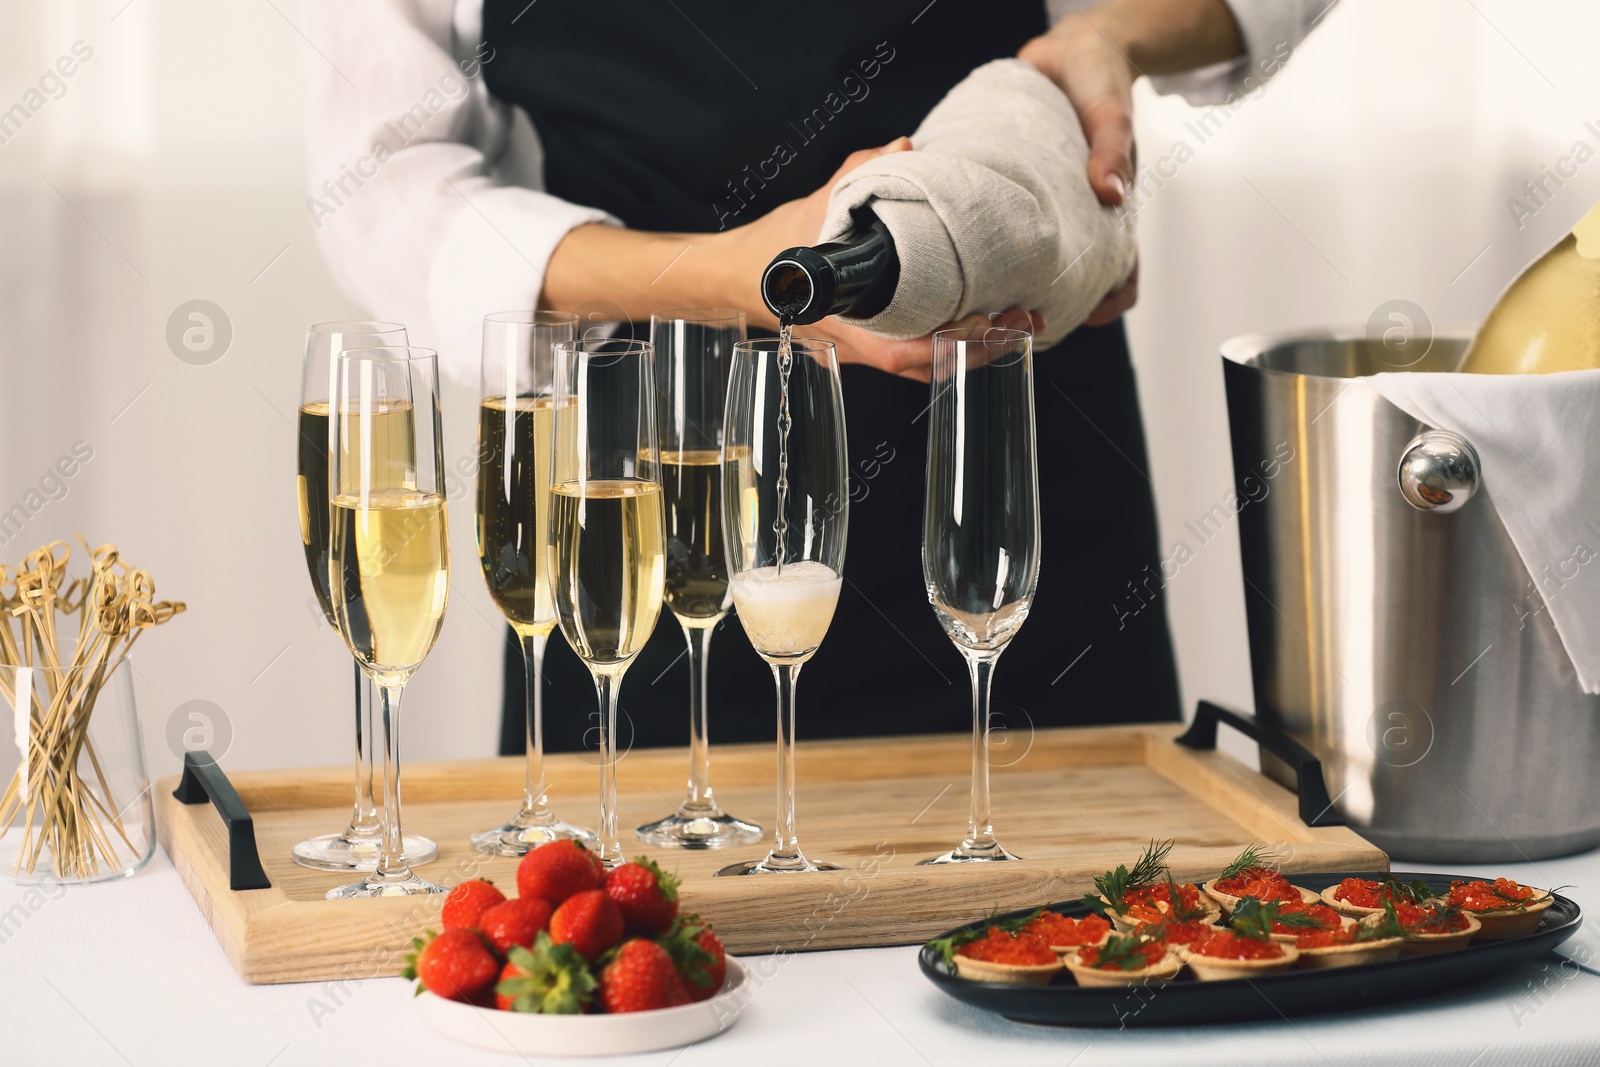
{"x":426,"y":192}
{"x":1272,"y":30}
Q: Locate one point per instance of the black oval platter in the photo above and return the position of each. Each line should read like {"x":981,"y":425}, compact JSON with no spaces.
{"x":1188,"y":1001}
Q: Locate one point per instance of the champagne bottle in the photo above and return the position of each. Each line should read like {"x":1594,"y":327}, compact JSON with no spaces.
{"x":854,"y":276}
{"x":1548,"y":319}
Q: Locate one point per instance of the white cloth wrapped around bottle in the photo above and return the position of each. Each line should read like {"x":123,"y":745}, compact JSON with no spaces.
{"x":991,"y":208}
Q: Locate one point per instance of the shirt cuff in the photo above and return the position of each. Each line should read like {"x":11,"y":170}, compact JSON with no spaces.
{"x":493,"y":258}
{"x":1271,"y":30}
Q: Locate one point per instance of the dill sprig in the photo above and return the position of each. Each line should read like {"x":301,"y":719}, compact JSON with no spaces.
{"x":1181,"y":912}
{"x":1253,"y":919}
{"x":1376,"y":928}
{"x":1416,"y":891}
{"x":1114,"y":885}
{"x":1254,"y":856}
{"x":1123,"y":951}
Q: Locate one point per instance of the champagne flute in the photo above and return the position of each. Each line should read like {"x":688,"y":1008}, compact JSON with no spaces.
{"x":785,"y":512}
{"x":694,"y":347}
{"x":356,"y":849}
{"x":980,"y":525}
{"x":515,"y":432}
{"x":607,"y":562}
{"x":390,"y":552}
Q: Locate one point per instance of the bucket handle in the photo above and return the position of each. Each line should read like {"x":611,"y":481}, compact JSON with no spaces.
{"x":1316,"y":809}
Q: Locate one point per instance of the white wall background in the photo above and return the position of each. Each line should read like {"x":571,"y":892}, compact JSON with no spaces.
{"x":1376,"y":167}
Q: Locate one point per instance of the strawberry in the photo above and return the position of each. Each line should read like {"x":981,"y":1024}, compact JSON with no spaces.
{"x":646,"y":895}
{"x":467,"y":901}
{"x":697,"y":952}
{"x":587,"y":921}
{"x":548,"y":979}
{"x":454,"y":964}
{"x":641,"y":977}
{"x":558,"y":869}
{"x":514,"y":922}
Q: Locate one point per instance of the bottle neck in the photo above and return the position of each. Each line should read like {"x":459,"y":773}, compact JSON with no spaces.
{"x":856,"y":276}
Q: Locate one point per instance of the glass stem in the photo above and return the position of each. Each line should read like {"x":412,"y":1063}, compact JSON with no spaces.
{"x":980,"y":827}
{"x":607,"y":687}
{"x":535,"y":808}
{"x":391,"y":856}
{"x":364,"y":821}
{"x":699,"y":801}
{"x":785,"y":845}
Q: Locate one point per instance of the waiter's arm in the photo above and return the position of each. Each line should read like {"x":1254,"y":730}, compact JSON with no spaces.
{"x":1096,"y":55}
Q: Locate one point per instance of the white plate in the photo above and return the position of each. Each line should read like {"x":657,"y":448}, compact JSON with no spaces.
{"x":589,"y":1035}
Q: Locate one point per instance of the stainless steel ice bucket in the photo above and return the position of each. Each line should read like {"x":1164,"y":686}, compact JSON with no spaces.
{"x":1407,"y":648}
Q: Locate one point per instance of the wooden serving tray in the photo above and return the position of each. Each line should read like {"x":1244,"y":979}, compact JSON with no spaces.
{"x":1073,"y":801}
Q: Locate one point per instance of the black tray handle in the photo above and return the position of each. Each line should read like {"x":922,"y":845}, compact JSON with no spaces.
{"x":1316,"y":808}
{"x":203,"y":779}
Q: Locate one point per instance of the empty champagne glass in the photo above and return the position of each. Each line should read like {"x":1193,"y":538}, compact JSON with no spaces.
{"x":980,"y":526}
{"x":606,"y":558}
{"x":516,"y":428}
{"x":694,"y":348}
{"x":356,"y":849}
{"x":785,"y":513}
{"x":390,"y":552}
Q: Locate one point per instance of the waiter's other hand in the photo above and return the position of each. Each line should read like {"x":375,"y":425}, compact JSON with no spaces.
{"x":1098,"y":78}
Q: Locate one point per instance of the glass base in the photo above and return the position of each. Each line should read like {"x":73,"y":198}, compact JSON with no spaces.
{"x":407,"y":886}
{"x":342,"y":852}
{"x":970,"y":854}
{"x":777,"y":865}
{"x":689,"y":829}
{"x":514,"y":839}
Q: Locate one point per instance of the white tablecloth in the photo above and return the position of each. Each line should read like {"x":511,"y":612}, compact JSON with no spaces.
{"x":129,"y":973}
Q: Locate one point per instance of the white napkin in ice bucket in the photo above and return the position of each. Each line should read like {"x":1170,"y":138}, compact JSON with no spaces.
{"x":991,"y":207}
{"x":1538,"y":436}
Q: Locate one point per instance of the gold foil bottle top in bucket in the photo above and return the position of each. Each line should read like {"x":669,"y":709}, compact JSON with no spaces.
{"x":1548,"y":319}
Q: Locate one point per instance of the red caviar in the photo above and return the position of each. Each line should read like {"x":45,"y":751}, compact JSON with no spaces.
{"x":1325,"y":917}
{"x":1227,"y":945}
{"x":1175,"y":933}
{"x":1362,"y":892}
{"x":1429,"y":919}
{"x":1263,"y":883}
{"x":1324,"y":938}
{"x":1020,"y":950}
{"x":1151,"y":951}
{"x":1500,"y":895}
{"x":1145,"y":904}
{"x":1062,"y":930}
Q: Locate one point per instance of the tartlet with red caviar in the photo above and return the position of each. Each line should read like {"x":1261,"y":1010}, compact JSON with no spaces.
{"x":1065,"y":934}
{"x":1362,"y":898}
{"x":998,"y":954}
{"x":1124,"y":960}
{"x":1434,"y":926}
{"x":1244,"y":948}
{"x":1503,"y":908}
{"x":1371,"y":940}
{"x":1148,"y":894}
{"x":1251,"y":875}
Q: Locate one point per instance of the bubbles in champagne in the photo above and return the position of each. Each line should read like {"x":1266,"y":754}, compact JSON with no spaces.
{"x":785,"y":364}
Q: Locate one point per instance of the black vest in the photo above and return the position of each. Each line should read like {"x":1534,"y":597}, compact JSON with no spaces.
{"x":694,"y":115}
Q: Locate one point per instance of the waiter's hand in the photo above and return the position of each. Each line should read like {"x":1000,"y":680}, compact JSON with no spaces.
{"x":798,"y":223}
{"x":1098,"y":78}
